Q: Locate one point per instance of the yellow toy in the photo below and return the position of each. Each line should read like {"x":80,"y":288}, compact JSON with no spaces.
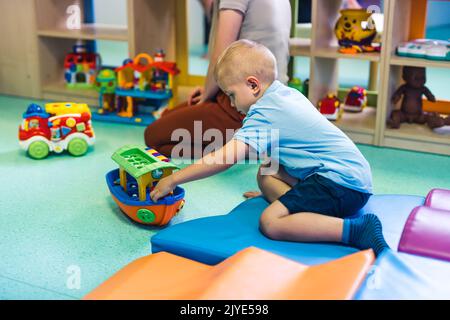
{"x":62,"y":108}
{"x":355,"y":31}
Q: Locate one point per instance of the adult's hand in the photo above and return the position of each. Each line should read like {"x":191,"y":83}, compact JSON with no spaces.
{"x":196,"y":96}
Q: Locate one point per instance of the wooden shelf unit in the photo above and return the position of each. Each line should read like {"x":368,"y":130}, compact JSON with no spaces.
{"x":408,"y":136}
{"x":150,"y":26}
{"x":322,"y":49}
{"x":369,"y":127}
{"x":35,"y":65}
{"x":59,"y":91}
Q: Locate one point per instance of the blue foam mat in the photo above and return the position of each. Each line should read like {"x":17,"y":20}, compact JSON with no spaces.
{"x":393,"y":276}
{"x":213,"y":239}
{"x":400,"y":276}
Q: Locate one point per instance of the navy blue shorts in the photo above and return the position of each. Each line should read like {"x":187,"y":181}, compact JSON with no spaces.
{"x":318,"y":194}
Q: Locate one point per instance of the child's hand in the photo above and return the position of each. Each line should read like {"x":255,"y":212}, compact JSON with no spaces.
{"x":163,"y":188}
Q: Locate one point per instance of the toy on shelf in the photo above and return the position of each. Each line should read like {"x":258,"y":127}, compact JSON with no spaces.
{"x":356,"y":31}
{"x":426,"y":49}
{"x":297,"y":83}
{"x":411,"y":110}
{"x":144,"y":84}
{"x":130,"y":185}
{"x":330,"y":107}
{"x":356,"y":100}
{"x":58,"y":127}
{"x":106,"y":84}
{"x":81,"y":67}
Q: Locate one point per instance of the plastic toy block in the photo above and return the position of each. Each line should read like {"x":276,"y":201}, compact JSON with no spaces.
{"x":137,"y":162}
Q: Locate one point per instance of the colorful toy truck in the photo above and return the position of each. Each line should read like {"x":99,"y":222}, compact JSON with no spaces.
{"x":130,"y":185}
{"x":58,"y":127}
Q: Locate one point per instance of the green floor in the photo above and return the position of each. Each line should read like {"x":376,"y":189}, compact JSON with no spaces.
{"x":57,"y":213}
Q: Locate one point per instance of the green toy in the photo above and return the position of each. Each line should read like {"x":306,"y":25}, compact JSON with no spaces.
{"x":297,"y":83}
{"x":106,"y":83}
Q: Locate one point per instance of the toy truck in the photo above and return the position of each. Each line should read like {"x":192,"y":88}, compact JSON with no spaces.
{"x":55,"y":128}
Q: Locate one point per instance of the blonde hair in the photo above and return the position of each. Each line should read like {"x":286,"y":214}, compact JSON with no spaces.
{"x":244,"y":58}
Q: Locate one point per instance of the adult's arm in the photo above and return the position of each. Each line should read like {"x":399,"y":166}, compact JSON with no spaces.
{"x":228,"y":28}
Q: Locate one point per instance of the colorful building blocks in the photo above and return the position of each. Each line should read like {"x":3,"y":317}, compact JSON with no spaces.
{"x":81,"y":67}
{"x":144,"y":84}
{"x":130,"y":185}
{"x":58,"y":127}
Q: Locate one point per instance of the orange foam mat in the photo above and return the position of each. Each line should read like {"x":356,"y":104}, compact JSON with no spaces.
{"x":251,"y":274}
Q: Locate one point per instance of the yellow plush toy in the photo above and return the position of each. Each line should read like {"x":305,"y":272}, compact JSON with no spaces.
{"x":355,"y":31}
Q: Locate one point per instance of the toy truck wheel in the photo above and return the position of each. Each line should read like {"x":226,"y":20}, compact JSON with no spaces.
{"x":77,"y":147}
{"x":38,"y":150}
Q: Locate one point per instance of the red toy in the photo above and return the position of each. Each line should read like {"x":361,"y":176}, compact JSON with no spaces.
{"x":330,"y":107}
{"x":81,"y":67}
{"x":61,"y":126}
{"x":356,"y":100}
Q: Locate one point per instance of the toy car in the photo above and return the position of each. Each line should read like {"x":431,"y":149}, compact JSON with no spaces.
{"x":58,"y":127}
{"x":426,"y":49}
{"x":356,"y":100}
{"x":330,"y":107}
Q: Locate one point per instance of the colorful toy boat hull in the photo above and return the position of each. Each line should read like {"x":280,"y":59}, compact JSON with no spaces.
{"x":144,"y":212}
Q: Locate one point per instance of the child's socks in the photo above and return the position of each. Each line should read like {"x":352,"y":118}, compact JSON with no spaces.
{"x":364,"y":232}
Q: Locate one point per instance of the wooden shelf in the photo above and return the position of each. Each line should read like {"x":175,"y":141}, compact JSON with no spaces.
{"x":61,"y":88}
{"x":87,"y":32}
{"x":417,"y":137}
{"x":418,"y":62}
{"x":418,"y":132}
{"x":333,"y":53}
{"x":360,"y":127}
{"x":361,"y":122}
{"x":59,"y":91}
{"x":300,"y":47}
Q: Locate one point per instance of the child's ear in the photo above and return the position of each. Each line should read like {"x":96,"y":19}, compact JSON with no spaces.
{"x":254,"y":85}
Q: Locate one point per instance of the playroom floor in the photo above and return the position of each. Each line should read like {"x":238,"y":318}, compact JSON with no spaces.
{"x":57,"y":215}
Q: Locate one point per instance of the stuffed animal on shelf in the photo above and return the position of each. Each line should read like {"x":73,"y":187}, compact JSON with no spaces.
{"x":355,"y":31}
{"x":411,"y":110}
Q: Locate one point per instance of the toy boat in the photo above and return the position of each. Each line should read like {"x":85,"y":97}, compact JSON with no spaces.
{"x":130,"y":185}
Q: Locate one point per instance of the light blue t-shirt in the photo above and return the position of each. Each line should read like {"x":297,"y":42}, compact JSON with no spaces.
{"x":286,"y":126}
